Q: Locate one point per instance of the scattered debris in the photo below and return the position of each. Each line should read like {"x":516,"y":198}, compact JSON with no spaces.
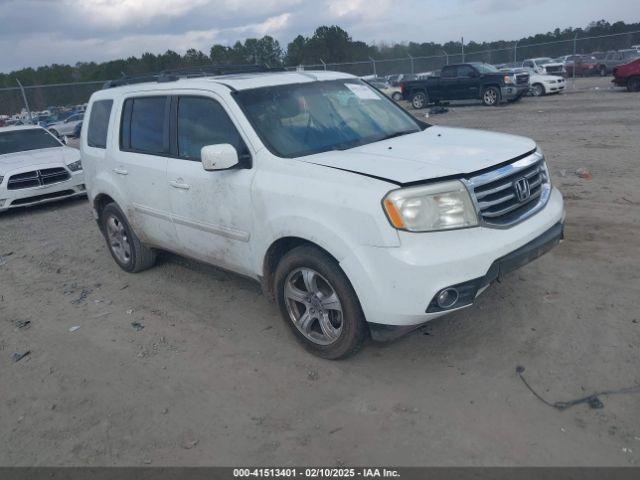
{"x":563,"y":172}
{"x":437,"y":110}
{"x":312,"y":374}
{"x":189,"y":444}
{"x":124,"y":286}
{"x":17,"y":356}
{"x":84,"y":293}
{"x":584,"y":173}
{"x":4,"y":258}
{"x":22,"y":323}
{"x":74,"y":328}
{"x":627,"y":450}
{"x":130,"y":311}
{"x":331,"y":432}
{"x":592,"y":400}
{"x":137,"y":326}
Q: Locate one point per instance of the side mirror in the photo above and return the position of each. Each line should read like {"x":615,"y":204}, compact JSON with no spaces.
{"x":218,"y":157}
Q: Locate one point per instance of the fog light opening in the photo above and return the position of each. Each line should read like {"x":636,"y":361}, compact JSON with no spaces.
{"x":447,"y":298}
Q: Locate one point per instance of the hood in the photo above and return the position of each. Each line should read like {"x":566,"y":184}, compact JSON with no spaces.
{"x":38,"y":158}
{"x":433,"y":153}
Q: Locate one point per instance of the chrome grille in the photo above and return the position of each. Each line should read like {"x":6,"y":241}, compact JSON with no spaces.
{"x":38,"y":178}
{"x":511,"y":193}
{"x":522,"y":78}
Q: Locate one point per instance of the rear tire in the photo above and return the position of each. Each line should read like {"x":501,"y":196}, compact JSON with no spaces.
{"x":491,"y":96}
{"x":633,"y":84}
{"x":318,"y":303}
{"x":419,"y":100}
{"x":397,"y":96}
{"x":124,"y":245}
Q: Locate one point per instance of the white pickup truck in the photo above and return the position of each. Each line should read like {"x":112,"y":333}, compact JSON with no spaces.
{"x":355,"y":216}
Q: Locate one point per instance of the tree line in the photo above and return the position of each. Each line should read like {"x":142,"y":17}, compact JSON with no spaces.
{"x":329,"y":44}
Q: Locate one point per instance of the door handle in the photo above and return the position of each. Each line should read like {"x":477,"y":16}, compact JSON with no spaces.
{"x":179,"y":184}
{"x":120,"y":171}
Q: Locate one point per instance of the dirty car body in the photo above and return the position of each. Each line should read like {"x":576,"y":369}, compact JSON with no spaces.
{"x":417,"y":219}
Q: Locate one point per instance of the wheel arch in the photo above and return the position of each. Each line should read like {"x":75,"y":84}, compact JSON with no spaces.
{"x":274,"y":254}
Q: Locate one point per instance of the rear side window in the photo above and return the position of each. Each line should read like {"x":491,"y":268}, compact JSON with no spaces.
{"x":465,"y":71}
{"x":203,"y":121}
{"x":99,"y":123}
{"x":144,"y":126}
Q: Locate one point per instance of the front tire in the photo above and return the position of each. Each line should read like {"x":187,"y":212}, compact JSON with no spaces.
{"x":633,"y":84}
{"x":419,"y":100}
{"x":319,"y":304}
{"x":491,"y":96}
{"x":537,"y":90}
{"x":124,"y":245}
{"x":397,"y":96}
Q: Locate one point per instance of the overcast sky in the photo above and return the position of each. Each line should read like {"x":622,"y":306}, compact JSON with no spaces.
{"x":40,"y":32}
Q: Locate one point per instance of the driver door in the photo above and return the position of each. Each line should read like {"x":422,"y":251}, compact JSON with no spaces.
{"x":211,"y":210}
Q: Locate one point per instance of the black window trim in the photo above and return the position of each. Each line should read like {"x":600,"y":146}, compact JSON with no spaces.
{"x":245,"y":160}
{"x":106,"y":138}
{"x":166,"y":141}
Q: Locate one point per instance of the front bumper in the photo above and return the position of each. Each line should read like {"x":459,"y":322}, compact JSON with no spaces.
{"x":396,"y":286}
{"x":26,"y":197}
{"x":511,"y":92}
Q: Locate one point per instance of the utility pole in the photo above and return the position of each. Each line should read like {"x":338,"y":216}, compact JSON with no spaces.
{"x":575,"y":41}
{"x":515,"y":52}
{"x":323,"y":64}
{"x":462,"y":51}
{"x":413,"y":70}
{"x":26,"y":103}
{"x":373,"y":62}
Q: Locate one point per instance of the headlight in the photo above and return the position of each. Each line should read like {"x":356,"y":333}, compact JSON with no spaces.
{"x":75,"y":166}
{"x":508,"y":79}
{"x":440,"y":206}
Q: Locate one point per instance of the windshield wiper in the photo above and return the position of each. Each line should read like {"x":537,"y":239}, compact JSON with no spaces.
{"x":397,"y":134}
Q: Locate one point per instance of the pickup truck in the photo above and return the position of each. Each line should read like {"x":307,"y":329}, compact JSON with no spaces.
{"x":466,"y":81}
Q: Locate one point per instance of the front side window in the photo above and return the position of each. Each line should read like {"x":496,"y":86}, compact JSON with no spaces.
{"x":308,"y":118}
{"x":201,"y":122}
{"x":24,"y":140}
{"x":465,"y":71}
{"x":144,"y":125}
{"x":99,"y":123}
{"x":486,"y":68}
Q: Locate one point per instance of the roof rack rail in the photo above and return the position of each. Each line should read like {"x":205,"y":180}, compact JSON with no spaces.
{"x":190,"y":72}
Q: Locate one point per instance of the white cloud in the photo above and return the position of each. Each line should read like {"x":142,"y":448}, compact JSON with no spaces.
{"x":122,"y":12}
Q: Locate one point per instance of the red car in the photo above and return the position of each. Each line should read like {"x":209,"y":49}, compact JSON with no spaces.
{"x":584,"y":64}
{"x":628,"y":75}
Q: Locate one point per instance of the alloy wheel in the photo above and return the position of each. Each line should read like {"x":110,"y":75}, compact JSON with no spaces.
{"x":313,"y":306}
{"x":118,"y":239}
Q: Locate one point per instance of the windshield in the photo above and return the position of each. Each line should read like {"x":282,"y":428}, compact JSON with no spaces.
{"x":303,"y":119}
{"x":485,"y":68}
{"x":23,"y":140}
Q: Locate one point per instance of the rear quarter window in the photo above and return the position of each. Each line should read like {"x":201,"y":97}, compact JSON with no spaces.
{"x":99,"y":123}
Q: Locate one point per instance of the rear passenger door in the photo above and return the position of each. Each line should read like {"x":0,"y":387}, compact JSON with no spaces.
{"x":448,"y":85}
{"x":141,"y":168}
{"x":211,"y":209}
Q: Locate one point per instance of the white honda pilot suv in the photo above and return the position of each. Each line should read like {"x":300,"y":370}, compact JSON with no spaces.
{"x":356,"y":217}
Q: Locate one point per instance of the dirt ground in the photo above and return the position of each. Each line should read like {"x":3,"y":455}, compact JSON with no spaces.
{"x":215,"y":377}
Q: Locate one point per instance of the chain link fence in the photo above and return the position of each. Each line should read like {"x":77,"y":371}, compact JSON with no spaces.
{"x":69,"y":97}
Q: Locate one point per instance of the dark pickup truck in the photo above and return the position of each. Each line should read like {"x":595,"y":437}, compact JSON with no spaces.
{"x":466,"y":81}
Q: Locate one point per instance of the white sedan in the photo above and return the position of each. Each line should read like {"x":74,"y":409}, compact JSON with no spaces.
{"x":545,"y":84}
{"x":35,"y":167}
{"x":67,"y":126}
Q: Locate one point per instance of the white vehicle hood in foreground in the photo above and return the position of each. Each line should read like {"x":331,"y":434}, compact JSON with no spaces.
{"x":432,"y":153}
{"x":55,"y":155}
